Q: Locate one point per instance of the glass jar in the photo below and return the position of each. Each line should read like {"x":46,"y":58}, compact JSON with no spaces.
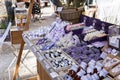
{"x":21,"y":18}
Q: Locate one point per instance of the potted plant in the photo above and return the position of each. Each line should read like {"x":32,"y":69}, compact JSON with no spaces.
{"x":3,"y":25}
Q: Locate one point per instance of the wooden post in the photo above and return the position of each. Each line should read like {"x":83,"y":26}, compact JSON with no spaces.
{"x":29,"y":14}
{"x":18,"y":60}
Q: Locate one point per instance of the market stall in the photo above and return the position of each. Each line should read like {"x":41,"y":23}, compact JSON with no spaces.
{"x":66,"y":51}
{"x":69,"y":55}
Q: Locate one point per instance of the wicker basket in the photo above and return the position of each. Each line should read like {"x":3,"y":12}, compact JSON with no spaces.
{"x":71,"y":15}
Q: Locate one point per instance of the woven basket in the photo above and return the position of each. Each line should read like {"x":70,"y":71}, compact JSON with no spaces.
{"x":71,"y":15}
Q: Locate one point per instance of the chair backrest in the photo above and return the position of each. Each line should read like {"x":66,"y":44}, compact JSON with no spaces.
{"x":5,"y":33}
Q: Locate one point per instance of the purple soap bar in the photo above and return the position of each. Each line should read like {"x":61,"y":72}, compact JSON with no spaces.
{"x":85,"y":52}
{"x":91,"y":51}
{"x":92,"y":55}
{"x":83,"y":56}
{"x":86,"y":60}
{"x":79,"y":61}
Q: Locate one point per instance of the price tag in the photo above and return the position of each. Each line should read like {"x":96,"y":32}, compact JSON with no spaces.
{"x":54,"y":74}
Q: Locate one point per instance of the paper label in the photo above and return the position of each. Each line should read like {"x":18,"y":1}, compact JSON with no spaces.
{"x":54,"y":74}
{"x":18,"y":21}
{"x":59,"y":9}
{"x":24,"y":20}
{"x":114,"y":52}
{"x":47,"y":56}
{"x":114,"y":42}
{"x":89,"y":70}
{"x":74,"y":68}
{"x":104,"y":72}
{"x":92,"y":62}
{"x":99,"y":64}
{"x":103,"y":55}
{"x":89,"y":76}
{"x":81,"y":73}
{"x":83,"y":65}
{"x":96,"y":76}
{"x":98,"y":68}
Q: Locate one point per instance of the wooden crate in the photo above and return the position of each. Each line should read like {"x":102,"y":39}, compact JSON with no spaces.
{"x":16,"y":36}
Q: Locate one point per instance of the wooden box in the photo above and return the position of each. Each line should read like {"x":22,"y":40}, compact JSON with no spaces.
{"x":16,"y":36}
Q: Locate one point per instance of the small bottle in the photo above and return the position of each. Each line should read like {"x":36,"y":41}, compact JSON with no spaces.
{"x":18,"y":21}
{"x":79,"y":74}
{"x":24,"y":20}
{"x":84,"y":77}
{"x":94,"y":77}
{"x":103,"y":74}
{"x":68,"y":77}
{"x":73,"y":71}
{"x":83,"y":65}
{"x":90,"y":70}
{"x":77,"y":77}
{"x":79,"y":68}
{"x":92,"y":63}
{"x":98,"y":67}
{"x":95,"y":70}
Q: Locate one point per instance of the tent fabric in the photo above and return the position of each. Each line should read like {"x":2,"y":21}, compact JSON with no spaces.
{"x":108,"y":10}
